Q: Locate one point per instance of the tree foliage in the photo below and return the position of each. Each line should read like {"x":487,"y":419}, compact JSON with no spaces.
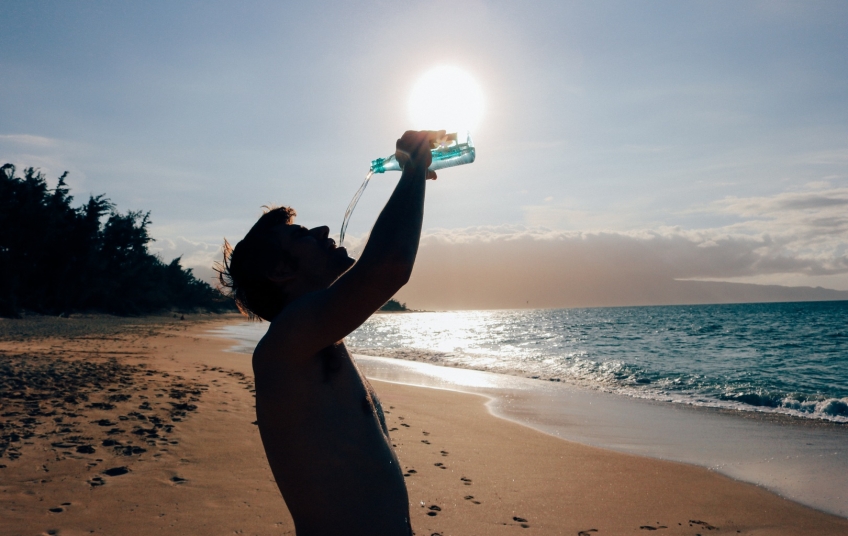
{"x":55,"y":258}
{"x":394,"y":306}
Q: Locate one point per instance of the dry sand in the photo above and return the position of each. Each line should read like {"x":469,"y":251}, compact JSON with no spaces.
{"x":115,"y":426}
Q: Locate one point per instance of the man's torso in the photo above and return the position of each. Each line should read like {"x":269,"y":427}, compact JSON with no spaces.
{"x":325,"y":438}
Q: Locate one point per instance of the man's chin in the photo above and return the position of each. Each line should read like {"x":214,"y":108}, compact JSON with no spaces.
{"x":343,"y":261}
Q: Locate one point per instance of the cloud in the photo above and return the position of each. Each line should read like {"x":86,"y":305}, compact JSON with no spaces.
{"x":812,"y":222}
{"x":800,"y":237}
{"x":792,"y":235}
{"x":52,"y":156}
{"x":27,"y":140}
{"x":198,"y":255}
{"x":491,"y":268}
{"x":777,"y":205}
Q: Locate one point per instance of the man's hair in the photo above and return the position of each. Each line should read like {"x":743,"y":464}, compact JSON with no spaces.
{"x":245,"y":270}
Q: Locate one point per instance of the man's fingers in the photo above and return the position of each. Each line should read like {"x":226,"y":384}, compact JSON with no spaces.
{"x":415,"y":146}
{"x":431,"y":175}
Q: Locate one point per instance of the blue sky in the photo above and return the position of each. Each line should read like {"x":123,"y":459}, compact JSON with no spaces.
{"x":718,"y":125}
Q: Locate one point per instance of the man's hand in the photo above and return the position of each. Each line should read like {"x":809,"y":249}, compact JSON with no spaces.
{"x":413,"y":149}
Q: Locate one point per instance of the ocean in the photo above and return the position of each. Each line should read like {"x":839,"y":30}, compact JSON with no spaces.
{"x":644,"y":380}
{"x":787,"y":358}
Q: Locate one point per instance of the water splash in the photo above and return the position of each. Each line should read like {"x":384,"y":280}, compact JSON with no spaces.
{"x":352,"y":206}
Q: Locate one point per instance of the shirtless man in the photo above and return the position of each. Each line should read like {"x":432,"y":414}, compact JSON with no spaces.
{"x":321,"y":422}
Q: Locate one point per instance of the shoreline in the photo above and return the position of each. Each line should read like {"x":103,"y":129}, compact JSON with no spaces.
{"x":804,"y":462}
{"x":483,"y":474}
{"x":766,"y":413}
{"x":247,"y":334}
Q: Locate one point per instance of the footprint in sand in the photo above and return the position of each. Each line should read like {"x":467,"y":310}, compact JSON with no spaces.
{"x":471,"y":498}
{"x":586,"y":532}
{"x":425,"y":433}
{"x":404,"y":424}
{"x":444,"y":452}
{"x":129,"y":451}
{"x":425,"y":441}
{"x":178,"y":480}
{"x":104,"y":422}
{"x":440,"y":465}
{"x":116,"y":471}
{"x":434,"y":510}
{"x":466,"y":481}
{"x":703,"y":524}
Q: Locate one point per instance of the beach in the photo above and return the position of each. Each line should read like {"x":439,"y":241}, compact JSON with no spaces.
{"x":147,"y":426}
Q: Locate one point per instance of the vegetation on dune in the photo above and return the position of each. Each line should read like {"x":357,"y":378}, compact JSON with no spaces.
{"x":55,"y":258}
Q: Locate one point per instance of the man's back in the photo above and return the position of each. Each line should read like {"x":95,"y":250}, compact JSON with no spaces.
{"x":327,"y":444}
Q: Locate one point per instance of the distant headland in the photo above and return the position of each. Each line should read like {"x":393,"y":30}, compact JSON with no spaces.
{"x":394,"y":306}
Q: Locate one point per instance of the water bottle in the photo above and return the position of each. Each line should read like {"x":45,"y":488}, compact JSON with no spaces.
{"x":448,"y":154}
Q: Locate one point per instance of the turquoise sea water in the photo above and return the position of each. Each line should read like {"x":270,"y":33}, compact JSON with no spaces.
{"x":787,"y":357}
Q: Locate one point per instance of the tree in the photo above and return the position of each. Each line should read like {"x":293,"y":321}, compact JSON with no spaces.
{"x":55,"y":258}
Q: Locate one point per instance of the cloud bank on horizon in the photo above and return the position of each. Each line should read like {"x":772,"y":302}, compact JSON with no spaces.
{"x":793,"y":238}
{"x":625,"y":146}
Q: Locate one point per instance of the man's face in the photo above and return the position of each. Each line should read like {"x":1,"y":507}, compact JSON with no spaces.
{"x":318,"y":261}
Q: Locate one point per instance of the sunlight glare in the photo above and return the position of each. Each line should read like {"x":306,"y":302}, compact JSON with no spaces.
{"x":446,"y":98}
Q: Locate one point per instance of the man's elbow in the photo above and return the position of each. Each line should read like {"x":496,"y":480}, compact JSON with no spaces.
{"x":397,"y":275}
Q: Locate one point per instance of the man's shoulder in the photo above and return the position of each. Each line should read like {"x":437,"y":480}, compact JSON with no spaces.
{"x":274,"y":342}
{"x":280,"y":344}
{"x":307,"y":325}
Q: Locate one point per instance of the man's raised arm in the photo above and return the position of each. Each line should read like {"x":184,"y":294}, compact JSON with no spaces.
{"x":321,"y":318}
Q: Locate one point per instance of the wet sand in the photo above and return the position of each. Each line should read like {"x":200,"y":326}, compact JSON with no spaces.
{"x":146,"y":426}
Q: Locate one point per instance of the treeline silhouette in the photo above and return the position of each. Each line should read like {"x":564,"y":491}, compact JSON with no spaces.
{"x":394,"y":306}
{"x":59,"y":259}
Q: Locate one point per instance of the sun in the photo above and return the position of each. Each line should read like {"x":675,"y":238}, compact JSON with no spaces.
{"x":446,"y":98}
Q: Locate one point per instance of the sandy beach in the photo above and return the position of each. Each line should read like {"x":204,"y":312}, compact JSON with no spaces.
{"x":141,"y":426}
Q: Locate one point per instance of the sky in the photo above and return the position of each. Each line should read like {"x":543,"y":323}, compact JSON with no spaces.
{"x":681,"y":140}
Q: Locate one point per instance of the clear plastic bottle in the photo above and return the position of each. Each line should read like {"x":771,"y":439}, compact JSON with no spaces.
{"x":449,"y":154}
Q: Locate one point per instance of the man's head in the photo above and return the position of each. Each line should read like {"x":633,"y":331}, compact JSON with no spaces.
{"x":278,"y":261}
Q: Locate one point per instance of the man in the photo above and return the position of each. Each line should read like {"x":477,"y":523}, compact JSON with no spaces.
{"x":321,"y":423}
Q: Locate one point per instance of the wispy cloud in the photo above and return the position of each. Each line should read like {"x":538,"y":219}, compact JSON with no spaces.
{"x":28,"y":140}
{"x":808,"y":223}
